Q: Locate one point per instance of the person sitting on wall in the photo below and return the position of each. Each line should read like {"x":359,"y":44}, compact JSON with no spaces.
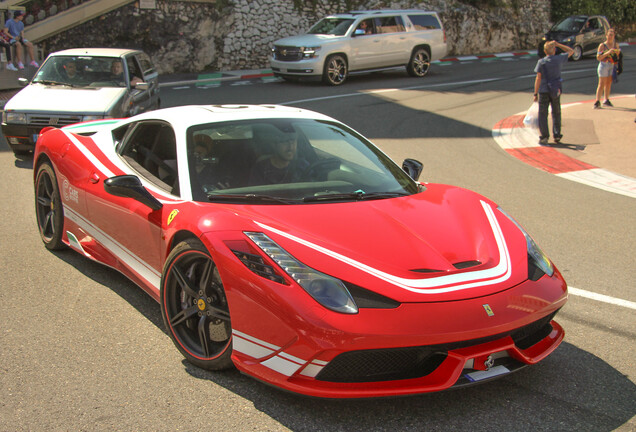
{"x":16,"y":31}
{"x":5,"y":41}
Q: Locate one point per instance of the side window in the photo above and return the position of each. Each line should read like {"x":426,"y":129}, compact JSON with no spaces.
{"x":425,"y":22}
{"x":367,"y":26}
{"x":151,"y":150}
{"x":134,"y":71}
{"x":146,"y":65}
{"x":391,"y":24}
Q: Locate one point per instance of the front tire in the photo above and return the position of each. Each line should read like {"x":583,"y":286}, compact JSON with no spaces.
{"x":335,"y":71}
{"x":48,"y":208}
{"x":194,"y":307}
{"x":420,"y":63}
{"x":578,"y":53}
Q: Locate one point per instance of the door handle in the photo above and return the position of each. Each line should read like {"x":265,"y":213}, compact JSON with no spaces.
{"x":94,"y":178}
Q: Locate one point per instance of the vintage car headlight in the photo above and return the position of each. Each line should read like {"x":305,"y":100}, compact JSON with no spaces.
{"x":535,"y":253}
{"x":14,"y":117}
{"x":326,"y":290}
{"x":310,"y":52}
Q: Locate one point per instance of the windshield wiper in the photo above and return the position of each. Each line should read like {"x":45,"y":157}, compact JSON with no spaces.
{"x":51,"y":82}
{"x":353,"y":196}
{"x":250,"y":198}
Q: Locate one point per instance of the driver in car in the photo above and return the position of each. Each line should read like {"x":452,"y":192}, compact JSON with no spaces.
{"x":282,"y":166}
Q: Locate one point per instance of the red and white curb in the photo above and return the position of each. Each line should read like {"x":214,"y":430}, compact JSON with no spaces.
{"x":523,"y":143}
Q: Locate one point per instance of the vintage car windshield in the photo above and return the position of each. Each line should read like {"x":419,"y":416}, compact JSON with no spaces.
{"x":331,"y":26}
{"x":569,"y":25}
{"x":292,"y":161}
{"x":82,"y":71}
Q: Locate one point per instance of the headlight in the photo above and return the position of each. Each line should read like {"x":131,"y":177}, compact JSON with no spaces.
{"x":92,"y":117}
{"x":534,"y":252}
{"x":310,"y":52}
{"x":15,"y":117}
{"x":569,"y":39}
{"x":326,"y":290}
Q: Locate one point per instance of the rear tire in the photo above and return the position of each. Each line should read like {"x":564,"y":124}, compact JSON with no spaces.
{"x":420,"y":63}
{"x":48,"y":208}
{"x":194,"y":307}
{"x":335,"y":71}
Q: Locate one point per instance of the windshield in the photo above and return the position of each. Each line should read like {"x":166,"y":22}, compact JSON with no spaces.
{"x":569,"y":25}
{"x":82,"y":71}
{"x":331,"y":26}
{"x":271,"y":161}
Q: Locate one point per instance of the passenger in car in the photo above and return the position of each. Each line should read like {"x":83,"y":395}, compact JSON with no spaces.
{"x":283,"y":165}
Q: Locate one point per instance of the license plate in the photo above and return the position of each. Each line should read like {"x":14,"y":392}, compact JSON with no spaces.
{"x":490,"y":373}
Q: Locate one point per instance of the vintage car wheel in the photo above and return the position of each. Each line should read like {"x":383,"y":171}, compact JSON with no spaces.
{"x":578,"y":53}
{"x":48,"y":207}
{"x":335,"y":72}
{"x":194,"y":307}
{"x":419,"y":64}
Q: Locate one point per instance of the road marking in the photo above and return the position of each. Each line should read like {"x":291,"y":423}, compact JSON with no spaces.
{"x":602,"y":298}
{"x":390,"y":90}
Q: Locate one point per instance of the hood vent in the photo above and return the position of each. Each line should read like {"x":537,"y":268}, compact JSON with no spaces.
{"x":466,"y":264}
{"x":459,"y":266}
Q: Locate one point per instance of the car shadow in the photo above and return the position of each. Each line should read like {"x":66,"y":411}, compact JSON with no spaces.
{"x":570,"y":390}
{"x":117,"y":282}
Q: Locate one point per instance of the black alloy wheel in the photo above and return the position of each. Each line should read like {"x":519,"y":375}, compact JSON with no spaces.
{"x":48,"y":207}
{"x":335,"y":71}
{"x":419,"y":64}
{"x":194,"y":307}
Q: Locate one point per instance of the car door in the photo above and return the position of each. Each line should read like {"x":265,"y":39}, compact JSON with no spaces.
{"x":132,"y":231}
{"x":593,"y":35}
{"x":149,"y":76}
{"x":365,"y":47}
{"x":141,"y":97}
{"x":394,"y":41}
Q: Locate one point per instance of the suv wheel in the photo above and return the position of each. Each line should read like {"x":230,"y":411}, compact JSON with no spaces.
{"x":578,"y":53}
{"x":335,"y":71}
{"x":420,"y":63}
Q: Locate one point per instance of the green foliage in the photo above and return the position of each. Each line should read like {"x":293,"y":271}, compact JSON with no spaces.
{"x":618,"y":12}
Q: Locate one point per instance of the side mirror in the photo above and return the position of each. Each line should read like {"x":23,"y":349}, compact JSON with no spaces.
{"x":129,"y":186}
{"x":23,"y":82}
{"x":413,"y":168}
{"x":358,"y":32}
{"x":142,"y":86}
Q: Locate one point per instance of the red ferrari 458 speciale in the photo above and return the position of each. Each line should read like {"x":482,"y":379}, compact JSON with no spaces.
{"x":282,"y":242}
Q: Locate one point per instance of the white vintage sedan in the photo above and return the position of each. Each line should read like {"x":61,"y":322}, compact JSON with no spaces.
{"x":77,"y":85}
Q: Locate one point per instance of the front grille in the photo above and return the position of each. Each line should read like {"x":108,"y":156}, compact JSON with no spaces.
{"x":415,"y":362}
{"x":382,"y":365}
{"x":288,"y":53}
{"x":52,"y":120}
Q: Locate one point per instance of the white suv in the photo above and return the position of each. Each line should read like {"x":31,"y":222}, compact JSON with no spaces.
{"x":361,"y":41}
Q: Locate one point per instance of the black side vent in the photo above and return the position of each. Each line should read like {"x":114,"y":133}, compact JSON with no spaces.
{"x":466,"y":264}
{"x":256,"y":264}
{"x":368,"y":299}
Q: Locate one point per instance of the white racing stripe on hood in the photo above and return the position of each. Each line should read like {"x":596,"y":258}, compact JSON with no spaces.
{"x":433,"y":285}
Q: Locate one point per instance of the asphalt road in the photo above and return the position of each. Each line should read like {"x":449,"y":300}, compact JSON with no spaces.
{"x":82,"y":348}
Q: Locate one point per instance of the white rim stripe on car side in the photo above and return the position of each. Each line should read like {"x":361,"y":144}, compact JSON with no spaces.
{"x":435,"y":285}
{"x":281,"y":362}
{"x":143,"y":269}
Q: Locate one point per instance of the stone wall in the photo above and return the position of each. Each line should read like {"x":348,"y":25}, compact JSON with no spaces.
{"x":188,"y":36}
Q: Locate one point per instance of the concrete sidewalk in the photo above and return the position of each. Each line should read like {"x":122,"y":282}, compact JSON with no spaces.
{"x":598,"y":146}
